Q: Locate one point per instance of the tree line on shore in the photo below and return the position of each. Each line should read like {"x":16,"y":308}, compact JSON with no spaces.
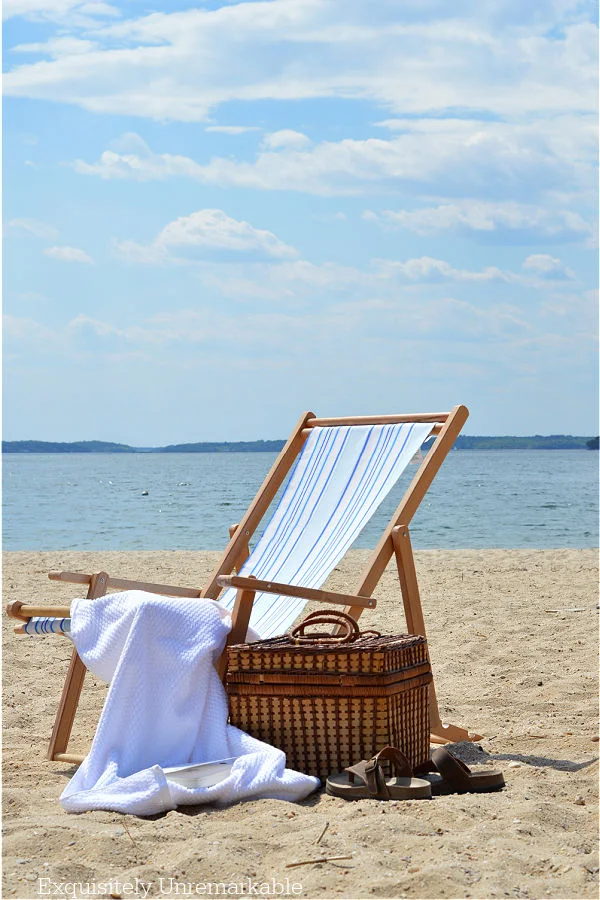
{"x":463,"y":442}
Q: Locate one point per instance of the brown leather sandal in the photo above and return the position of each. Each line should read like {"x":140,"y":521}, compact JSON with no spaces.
{"x":456,"y":778}
{"x":374,"y":785}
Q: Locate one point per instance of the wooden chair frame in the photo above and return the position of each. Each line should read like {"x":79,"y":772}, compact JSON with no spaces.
{"x":395,"y":541}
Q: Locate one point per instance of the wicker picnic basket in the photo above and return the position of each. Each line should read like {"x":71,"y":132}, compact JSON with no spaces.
{"x":329,"y":701}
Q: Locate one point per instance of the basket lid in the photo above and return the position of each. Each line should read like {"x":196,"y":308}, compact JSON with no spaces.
{"x":367,"y":654}
{"x":367,"y":642}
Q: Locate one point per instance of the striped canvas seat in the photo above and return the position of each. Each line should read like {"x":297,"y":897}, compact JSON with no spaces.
{"x":341,"y":477}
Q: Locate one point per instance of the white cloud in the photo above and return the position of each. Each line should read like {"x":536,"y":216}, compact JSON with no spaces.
{"x":289,"y":282}
{"x":548,"y":267}
{"x":33,"y":226}
{"x":449,"y":154}
{"x":402,"y":329}
{"x":213,"y":228}
{"x":466,"y":321}
{"x":299,"y":283}
{"x":31,"y":297}
{"x":286,"y":140}
{"x":130,"y":143}
{"x":205,"y":230}
{"x":11,"y":8}
{"x":22,"y":333}
{"x":74,"y":13}
{"x":430,"y":270}
{"x":488,"y":218}
{"x":580,"y":310}
{"x":102,"y":329}
{"x":402,"y":321}
{"x":68,"y":254}
{"x":232,"y":129}
{"x":57,"y":47}
{"x":140,"y":164}
{"x":146,"y":254}
{"x":411,"y":58}
{"x":18,"y":326}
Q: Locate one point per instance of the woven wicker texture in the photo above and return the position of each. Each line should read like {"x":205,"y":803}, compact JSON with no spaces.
{"x":329,"y":706}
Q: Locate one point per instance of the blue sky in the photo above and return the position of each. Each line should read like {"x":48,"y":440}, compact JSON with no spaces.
{"x":217,"y":215}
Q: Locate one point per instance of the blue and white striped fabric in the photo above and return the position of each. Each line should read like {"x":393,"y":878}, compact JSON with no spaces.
{"x":342,"y":475}
{"x":47,"y":625}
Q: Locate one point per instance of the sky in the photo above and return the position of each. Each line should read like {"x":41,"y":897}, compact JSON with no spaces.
{"x":220,"y":215}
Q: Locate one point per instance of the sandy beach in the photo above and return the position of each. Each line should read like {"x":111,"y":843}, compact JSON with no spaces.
{"x":513,"y":639}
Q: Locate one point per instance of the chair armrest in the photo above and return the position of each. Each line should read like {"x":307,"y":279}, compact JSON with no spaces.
{"x":241,"y":582}
{"x":126,"y":584}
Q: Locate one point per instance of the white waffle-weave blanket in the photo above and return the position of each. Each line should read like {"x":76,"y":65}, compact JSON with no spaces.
{"x":165,"y":706}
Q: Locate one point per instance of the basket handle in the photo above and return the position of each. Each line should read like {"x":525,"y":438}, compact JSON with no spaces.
{"x":326,"y":617}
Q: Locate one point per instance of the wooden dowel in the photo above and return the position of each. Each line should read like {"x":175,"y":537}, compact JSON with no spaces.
{"x":126,"y":584}
{"x":13,"y":609}
{"x":76,"y":758}
{"x":27,"y":612}
{"x":434,"y":430}
{"x":71,"y":577}
{"x":290,"y":590}
{"x":379,"y":420}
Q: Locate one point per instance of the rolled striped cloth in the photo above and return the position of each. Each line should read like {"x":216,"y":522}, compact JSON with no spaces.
{"x":47,"y":625}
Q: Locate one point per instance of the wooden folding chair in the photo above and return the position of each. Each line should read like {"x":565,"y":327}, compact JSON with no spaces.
{"x":395,"y":541}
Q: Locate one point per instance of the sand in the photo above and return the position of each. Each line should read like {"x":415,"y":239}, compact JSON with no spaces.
{"x":513,"y":638}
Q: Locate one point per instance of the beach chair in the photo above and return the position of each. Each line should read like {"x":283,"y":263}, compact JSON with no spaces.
{"x":344,"y":467}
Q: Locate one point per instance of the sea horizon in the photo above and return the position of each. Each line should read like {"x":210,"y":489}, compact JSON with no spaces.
{"x":483,"y":499}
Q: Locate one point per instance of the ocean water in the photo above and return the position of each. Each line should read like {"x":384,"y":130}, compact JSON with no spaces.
{"x":496,"y":498}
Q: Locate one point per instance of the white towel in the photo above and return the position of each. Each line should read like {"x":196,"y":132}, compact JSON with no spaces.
{"x":165,"y":706}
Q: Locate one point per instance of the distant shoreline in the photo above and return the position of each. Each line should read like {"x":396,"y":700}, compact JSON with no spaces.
{"x":463,"y":442}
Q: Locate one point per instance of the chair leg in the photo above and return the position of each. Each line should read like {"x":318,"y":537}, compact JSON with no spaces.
{"x":240,"y":619}
{"x":69,"y":700}
{"x":405,"y":561}
{"x":67,"y":708}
